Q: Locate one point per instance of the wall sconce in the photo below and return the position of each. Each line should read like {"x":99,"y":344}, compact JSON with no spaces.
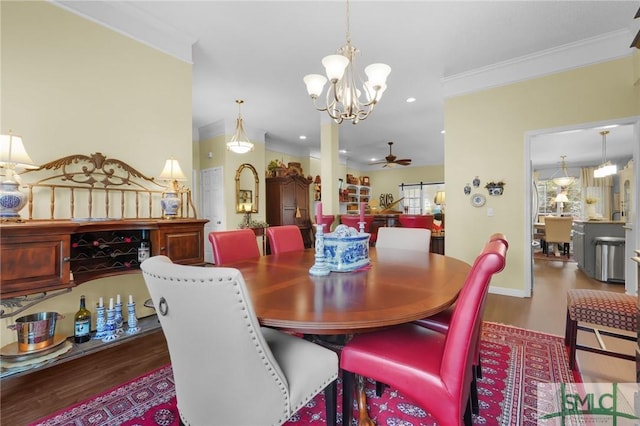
{"x":12,"y":156}
{"x":171,"y":202}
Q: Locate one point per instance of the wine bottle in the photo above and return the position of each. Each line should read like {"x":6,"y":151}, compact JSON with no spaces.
{"x":82,"y":323}
{"x":144,"y":249}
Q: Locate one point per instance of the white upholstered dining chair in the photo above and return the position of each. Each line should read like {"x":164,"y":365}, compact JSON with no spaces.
{"x":227,"y":369}
{"x":404,"y":238}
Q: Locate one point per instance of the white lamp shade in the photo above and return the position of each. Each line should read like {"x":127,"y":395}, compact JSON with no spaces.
{"x":370,"y":91}
{"x":240,"y":147}
{"x":564,"y":180}
{"x":239,"y":143}
{"x":562,"y":198}
{"x":605,"y":170}
{"x":12,"y":152}
{"x":172,"y":171}
{"x":439,"y":198}
{"x":377,"y":74}
{"x":335,"y":66}
{"x":315,"y":84}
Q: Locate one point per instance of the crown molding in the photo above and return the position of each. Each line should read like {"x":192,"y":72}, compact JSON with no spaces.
{"x":590,"y":51}
{"x":124,"y":18}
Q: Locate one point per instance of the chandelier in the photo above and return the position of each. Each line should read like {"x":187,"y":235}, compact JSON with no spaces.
{"x":343,"y":98}
{"x":239,"y":142}
{"x":606,"y":168}
{"x":565,"y":179}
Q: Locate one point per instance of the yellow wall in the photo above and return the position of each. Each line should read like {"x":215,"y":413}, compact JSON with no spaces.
{"x":70,"y":86}
{"x":485,"y":137}
{"x":386,"y":181}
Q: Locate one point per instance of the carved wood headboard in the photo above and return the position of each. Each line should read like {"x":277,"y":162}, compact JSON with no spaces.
{"x":94,"y":187}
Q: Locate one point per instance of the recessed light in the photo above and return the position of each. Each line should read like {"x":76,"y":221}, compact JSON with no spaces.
{"x":412,"y":99}
{"x":303,"y":137}
{"x":442,"y":132}
{"x":343,"y":151}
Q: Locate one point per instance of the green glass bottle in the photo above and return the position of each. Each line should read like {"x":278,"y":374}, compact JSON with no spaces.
{"x":82,"y":323}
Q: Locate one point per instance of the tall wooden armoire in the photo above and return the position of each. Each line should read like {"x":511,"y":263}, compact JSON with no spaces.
{"x":287,"y":202}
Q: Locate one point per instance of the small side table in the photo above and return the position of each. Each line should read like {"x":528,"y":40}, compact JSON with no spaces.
{"x":437,"y":243}
{"x":260,"y":232}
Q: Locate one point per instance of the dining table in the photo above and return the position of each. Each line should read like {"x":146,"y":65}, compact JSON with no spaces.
{"x":398,"y":286}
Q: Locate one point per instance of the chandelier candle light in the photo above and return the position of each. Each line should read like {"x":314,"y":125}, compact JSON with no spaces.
{"x":343,"y":97}
{"x":170,"y":200}
{"x":239,"y":143}
{"x":12,"y":156}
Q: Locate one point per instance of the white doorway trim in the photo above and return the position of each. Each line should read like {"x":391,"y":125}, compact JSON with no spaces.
{"x":528,"y":179}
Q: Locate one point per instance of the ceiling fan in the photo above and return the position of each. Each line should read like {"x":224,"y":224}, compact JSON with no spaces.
{"x":390,"y":160}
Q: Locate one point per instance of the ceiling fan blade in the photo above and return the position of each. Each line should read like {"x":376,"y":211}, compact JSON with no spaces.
{"x":378,"y":162}
{"x":404,"y":161}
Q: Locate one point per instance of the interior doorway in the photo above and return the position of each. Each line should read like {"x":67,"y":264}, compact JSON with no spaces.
{"x":537,"y":141}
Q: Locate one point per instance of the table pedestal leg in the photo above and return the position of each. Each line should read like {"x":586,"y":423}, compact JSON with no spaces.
{"x":361,"y":398}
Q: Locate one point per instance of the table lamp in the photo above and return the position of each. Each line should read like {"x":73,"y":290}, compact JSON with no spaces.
{"x":246,"y":208}
{"x":12,"y":156}
{"x":561,"y":198}
{"x":439,"y":199}
{"x":171,"y":202}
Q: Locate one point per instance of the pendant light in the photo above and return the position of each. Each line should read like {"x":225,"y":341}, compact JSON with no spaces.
{"x":564,"y":179}
{"x":606,"y":168}
{"x":239,"y":143}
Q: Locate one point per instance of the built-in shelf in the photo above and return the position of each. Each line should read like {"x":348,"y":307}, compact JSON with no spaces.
{"x":352,"y":196}
{"x":147,"y":325}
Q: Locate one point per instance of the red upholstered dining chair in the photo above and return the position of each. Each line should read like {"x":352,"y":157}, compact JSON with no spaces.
{"x":353,"y":221}
{"x":284,"y":238}
{"x":433,"y":369}
{"x":416,"y":221}
{"x":327,"y":221}
{"x":233,"y":245}
{"x":440,"y":322}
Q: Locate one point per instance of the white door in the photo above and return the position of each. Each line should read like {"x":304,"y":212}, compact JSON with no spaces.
{"x":212,"y":208}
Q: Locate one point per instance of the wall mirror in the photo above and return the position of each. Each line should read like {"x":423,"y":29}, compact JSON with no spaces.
{"x":247,"y":189}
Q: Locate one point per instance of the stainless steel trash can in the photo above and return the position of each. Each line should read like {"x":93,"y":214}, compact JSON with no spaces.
{"x":609,"y":259}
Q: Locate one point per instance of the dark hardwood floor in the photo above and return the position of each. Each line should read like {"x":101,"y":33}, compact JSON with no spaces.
{"x":30,"y":397}
{"x":546,"y":312}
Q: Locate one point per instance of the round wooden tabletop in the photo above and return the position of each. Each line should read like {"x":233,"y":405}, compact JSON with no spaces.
{"x":399,"y":286}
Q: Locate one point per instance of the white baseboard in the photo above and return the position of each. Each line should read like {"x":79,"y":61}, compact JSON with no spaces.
{"x":507,"y":291}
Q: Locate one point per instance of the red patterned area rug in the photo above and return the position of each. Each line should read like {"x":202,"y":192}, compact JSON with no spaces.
{"x":514,"y":361}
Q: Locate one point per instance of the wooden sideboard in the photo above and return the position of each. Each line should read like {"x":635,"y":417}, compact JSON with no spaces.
{"x":41,"y":256}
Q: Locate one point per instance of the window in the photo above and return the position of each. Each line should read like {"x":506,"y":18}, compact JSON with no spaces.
{"x":417,"y":198}
{"x":547,"y":193}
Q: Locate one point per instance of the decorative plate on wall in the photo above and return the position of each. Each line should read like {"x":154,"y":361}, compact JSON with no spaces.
{"x":478,"y":200}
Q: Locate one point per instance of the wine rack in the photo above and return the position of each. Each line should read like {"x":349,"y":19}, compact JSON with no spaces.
{"x":104,"y":253}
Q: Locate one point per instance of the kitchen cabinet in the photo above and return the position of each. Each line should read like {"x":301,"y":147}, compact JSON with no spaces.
{"x":287,"y":201}
{"x":42,"y":256}
{"x":584,"y":234}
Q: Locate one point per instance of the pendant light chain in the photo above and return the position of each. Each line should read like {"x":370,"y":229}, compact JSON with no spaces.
{"x":348,"y":24}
